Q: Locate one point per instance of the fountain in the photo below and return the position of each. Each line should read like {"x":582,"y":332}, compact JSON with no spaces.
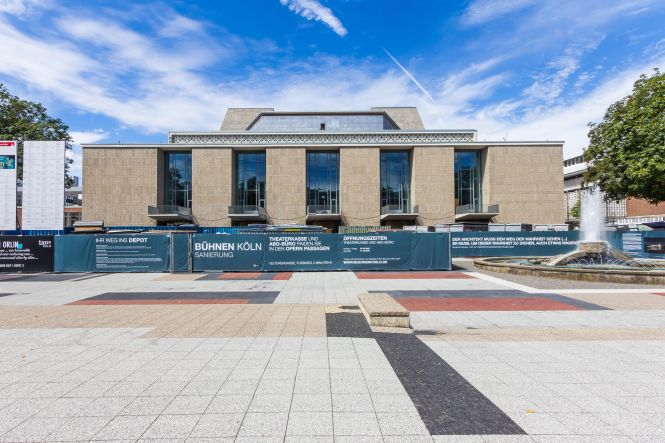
{"x":593,"y":248}
{"x":593,"y":260}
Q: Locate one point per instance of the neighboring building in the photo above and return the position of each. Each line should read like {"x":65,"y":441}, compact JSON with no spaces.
{"x":574,"y":189}
{"x":359,"y":168}
{"x":640,"y":211}
{"x":73,"y":205}
{"x":629,"y":211}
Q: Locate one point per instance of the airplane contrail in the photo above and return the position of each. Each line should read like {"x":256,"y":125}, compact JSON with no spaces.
{"x":413,"y":79}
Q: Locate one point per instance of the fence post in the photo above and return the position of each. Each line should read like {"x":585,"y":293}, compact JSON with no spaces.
{"x":189,"y":253}
{"x":171,"y":253}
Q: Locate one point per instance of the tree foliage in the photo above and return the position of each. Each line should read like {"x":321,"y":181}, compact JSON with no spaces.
{"x":576,"y":209}
{"x":626,"y":152}
{"x":22,"y":120}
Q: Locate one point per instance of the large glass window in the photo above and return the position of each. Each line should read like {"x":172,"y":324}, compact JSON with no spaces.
{"x":178,"y":179}
{"x":395,"y":178}
{"x":323,"y":181}
{"x":251,"y":179}
{"x":468,"y":179}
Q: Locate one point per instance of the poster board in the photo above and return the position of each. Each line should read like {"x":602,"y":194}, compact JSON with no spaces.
{"x":43,"y":185}
{"x":8,"y":165}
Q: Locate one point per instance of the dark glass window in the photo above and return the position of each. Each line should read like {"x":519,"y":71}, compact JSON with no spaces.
{"x":468,"y":179}
{"x":395,"y":178}
{"x":251,"y":179}
{"x":178,"y":179}
{"x":323,"y":181}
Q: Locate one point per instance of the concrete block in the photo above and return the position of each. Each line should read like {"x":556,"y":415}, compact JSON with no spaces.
{"x":381,"y":309}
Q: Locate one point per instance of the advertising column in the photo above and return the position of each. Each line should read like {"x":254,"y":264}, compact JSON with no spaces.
{"x":43,"y":185}
{"x":7,"y":185}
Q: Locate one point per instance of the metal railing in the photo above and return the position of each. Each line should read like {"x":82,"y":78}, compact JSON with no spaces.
{"x":247,"y":210}
{"x":397,"y":209}
{"x":477,"y":209}
{"x":169,"y":210}
{"x":322,"y":209}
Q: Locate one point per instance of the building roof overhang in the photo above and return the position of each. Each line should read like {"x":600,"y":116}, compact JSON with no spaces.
{"x":462,"y":138}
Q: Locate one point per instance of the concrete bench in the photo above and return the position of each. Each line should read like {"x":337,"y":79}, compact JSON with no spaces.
{"x":381,"y":309}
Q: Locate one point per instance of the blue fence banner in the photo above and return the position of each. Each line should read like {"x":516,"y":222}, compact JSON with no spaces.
{"x":376,"y":251}
{"x":431,"y":251}
{"x":27,"y":254}
{"x":302,"y":252}
{"x":646,"y":244}
{"x":180,"y":252}
{"x":310,"y":252}
{"x":499,"y":244}
{"x":222,"y":252}
{"x":132,"y":253}
{"x":74,"y":253}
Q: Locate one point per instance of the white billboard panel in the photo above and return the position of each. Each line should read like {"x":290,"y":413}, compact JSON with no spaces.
{"x":43,"y":185}
{"x":8,"y":165}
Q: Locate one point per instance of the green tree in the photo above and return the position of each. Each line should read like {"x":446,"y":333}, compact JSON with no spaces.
{"x":626,"y":152}
{"x":22,"y":120}
{"x":576,"y":209}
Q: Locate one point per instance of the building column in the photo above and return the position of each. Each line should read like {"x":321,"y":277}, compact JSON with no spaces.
{"x":433,"y":184}
{"x":286,"y":178}
{"x":360,"y":186}
{"x":212,"y":185}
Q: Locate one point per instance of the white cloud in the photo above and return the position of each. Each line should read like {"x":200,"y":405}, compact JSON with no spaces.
{"x":142,"y":84}
{"x":20,"y":7}
{"x":83,"y":137}
{"x":483,"y":11}
{"x":551,"y":81}
{"x":313,"y":10}
{"x":75,"y":154}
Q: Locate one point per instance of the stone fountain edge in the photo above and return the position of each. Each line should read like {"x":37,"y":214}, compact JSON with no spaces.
{"x":495,"y":264}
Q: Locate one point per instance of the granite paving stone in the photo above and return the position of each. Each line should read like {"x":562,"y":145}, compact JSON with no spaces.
{"x":217,"y":425}
{"x":310,"y":423}
{"x":125,"y":427}
{"x":356,"y":423}
{"x":207,"y":372}
{"x":79,"y":429}
{"x":263,"y":425}
{"x":270,"y":403}
{"x":172,"y":426}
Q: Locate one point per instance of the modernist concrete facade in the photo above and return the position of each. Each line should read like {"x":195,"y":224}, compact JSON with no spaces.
{"x":362,"y":168}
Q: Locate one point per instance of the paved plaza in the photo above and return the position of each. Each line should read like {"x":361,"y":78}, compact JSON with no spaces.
{"x":263,"y":357}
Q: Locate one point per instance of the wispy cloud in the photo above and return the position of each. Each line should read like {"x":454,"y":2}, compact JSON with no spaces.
{"x":20,"y":7}
{"x":483,"y":11}
{"x":313,"y":10}
{"x":152,"y":83}
{"x":551,"y":81}
{"x":82,"y":137}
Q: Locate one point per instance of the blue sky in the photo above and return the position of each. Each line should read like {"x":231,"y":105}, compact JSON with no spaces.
{"x":513,"y":69}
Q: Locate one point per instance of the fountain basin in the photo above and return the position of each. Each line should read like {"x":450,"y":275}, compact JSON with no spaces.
{"x":609,"y":274}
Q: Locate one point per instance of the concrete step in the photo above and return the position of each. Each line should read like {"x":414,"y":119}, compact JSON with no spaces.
{"x":381,"y":309}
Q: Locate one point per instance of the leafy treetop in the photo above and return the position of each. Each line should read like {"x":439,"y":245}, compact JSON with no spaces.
{"x":22,"y":120}
{"x":626,"y":152}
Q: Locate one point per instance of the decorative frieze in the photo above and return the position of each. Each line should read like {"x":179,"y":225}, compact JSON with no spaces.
{"x":335,"y":139}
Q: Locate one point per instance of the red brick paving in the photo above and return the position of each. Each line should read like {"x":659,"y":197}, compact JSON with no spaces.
{"x":175,"y":301}
{"x":411,"y":275}
{"x":660,"y":293}
{"x":485,"y":304}
{"x":283,"y":276}
{"x":239,"y":276}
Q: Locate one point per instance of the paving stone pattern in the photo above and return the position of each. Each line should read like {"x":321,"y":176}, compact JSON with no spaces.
{"x":519,"y":300}
{"x":255,"y":297}
{"x":346,"y":324}
{"x":446,"y":402}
